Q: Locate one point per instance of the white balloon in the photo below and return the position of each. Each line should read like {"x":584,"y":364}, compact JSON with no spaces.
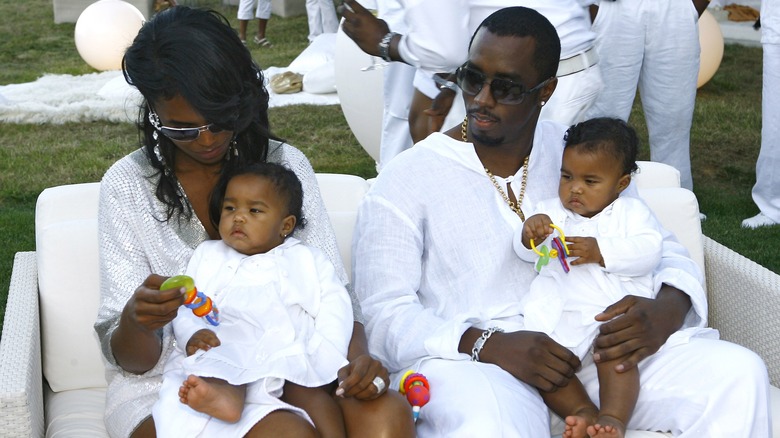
{"x":104,"y":30}
{"x":711,"y":43}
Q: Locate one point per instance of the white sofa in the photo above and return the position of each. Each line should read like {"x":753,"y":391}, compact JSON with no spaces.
{"x":51,"y":371}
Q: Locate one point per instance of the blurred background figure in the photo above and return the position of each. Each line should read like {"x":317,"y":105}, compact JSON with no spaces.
{"x":434,"y":38}
{"x":322,"y":17}
{"x":766,"y":192}
{"x":248,"y":10}
{"x":652,"y":45}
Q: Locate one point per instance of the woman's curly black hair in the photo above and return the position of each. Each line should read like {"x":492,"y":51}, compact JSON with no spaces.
{"x":195,"y":54}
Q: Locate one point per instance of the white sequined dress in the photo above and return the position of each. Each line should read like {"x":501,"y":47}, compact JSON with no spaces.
{"x":135,"y":241}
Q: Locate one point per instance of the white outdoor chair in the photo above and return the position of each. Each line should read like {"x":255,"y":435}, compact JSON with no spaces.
{"x":52,"y":374}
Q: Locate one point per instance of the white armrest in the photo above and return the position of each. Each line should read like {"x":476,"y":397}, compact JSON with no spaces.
{"x":744,"y":303}
{"x":21,"y":395}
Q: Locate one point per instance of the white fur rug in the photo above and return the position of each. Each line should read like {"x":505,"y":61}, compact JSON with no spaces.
{"x":100,"y":96}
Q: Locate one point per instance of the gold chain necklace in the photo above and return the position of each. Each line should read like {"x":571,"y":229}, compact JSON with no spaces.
{"x":514,"y":206}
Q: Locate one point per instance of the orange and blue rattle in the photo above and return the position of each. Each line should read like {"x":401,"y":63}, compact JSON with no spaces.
{"x":201,"y":305}
{"x":417,"y":390}
{"x":559,"y":251}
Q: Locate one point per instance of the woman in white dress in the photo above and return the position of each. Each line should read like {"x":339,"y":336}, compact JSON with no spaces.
{"x":211,"y":108}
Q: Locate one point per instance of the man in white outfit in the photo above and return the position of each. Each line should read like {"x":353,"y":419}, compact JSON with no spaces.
{"x":652,"y":45}
{"x":766,"y":192}
{"x":440,"y":285}
{"x":434,"y":38}
{"x":322,"y":18}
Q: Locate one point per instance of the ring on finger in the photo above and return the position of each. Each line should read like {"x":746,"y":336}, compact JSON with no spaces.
{"x":348,"y":7}
{"x":380,"y":384}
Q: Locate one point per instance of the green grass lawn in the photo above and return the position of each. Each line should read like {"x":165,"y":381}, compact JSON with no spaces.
{"x":725,"y":136}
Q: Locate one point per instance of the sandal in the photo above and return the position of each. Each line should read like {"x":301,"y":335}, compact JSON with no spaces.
{"x":262,"y":42}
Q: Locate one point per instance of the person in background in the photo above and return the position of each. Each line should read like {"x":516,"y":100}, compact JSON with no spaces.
{"x":249,"y":10}
{"x":322,"y":18}
{"x":766,"y":192}
{"x":651,"y":46}
{"x":435,"y":39}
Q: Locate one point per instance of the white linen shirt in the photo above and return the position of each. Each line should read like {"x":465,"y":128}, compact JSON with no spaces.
{"x":433,"y":256}
{"x":439,"y":32}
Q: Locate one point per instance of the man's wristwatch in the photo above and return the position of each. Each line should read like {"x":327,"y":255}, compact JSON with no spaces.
{"x":384,"y":46}
{"x":445,"y":84}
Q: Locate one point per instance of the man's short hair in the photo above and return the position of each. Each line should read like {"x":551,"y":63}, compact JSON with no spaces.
{"x":518,"y":21}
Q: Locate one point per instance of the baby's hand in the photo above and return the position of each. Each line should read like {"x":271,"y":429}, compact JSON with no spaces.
{"x":203,"y":339}
{"x":536,"y":227}
{"x":586,"y":249}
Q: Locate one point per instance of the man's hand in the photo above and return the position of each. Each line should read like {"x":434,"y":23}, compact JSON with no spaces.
{"x":439,"y":109}
{"x":531,"y":357}
{"x":638,"y":327}
{"x":203,"y":339}
{"x":363,"y":27}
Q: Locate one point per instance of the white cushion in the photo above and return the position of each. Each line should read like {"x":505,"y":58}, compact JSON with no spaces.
{"x":342,"y":195}
{"x":76,"y":413}
{"x":678,"y":211}
{"x":68,"y":282}
{"x":652,"y":174}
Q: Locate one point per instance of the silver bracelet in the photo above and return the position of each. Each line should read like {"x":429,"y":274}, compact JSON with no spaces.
{"x":481,"y":342}
{"x":444,"y":84}
{"x":384,"y":46}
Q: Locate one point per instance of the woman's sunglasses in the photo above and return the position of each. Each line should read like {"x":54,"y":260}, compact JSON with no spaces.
{"x":503,"y":90}
{"x":181,"y":134}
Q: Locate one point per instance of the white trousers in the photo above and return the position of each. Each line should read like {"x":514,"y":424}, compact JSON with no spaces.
{"x":703,"y":388}
{"x":322,"y":17}
{"x":573,"y":97}
{"x":652,"y":45}
{"x":398,"y":91}
{"x":766,"y":192}
{"x":247,"y":10}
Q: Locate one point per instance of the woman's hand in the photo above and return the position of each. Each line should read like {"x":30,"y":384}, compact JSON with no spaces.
{"x":203,"y":339}
{"x":135,"y":344}
{"x":151,"y":308}
{"x":357,"y":377}
{"x":637,"y":327}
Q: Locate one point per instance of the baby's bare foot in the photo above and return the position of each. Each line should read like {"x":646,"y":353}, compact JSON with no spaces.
{"x":577,"y":424}
{"x":607,"y":427}
{"x":214,"y":397}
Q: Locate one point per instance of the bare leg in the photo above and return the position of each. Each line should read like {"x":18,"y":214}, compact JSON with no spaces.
{"x":262,"y":23}
{"x":388,"y":416}
{"x":573,"y":404}
{"x":215,"y":397}
{"x":319,"y":404}
{"x":282,"y":424}
{"x":618,"y":393}
{"x":242,"y":30}
{"x":145,"y":429}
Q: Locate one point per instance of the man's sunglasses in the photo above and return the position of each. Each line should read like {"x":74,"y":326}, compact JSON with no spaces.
{"x":504,"y":91}
{"x":181,"y":134}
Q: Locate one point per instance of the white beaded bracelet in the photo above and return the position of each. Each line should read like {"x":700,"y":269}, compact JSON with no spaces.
{"x":481,"y":342}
